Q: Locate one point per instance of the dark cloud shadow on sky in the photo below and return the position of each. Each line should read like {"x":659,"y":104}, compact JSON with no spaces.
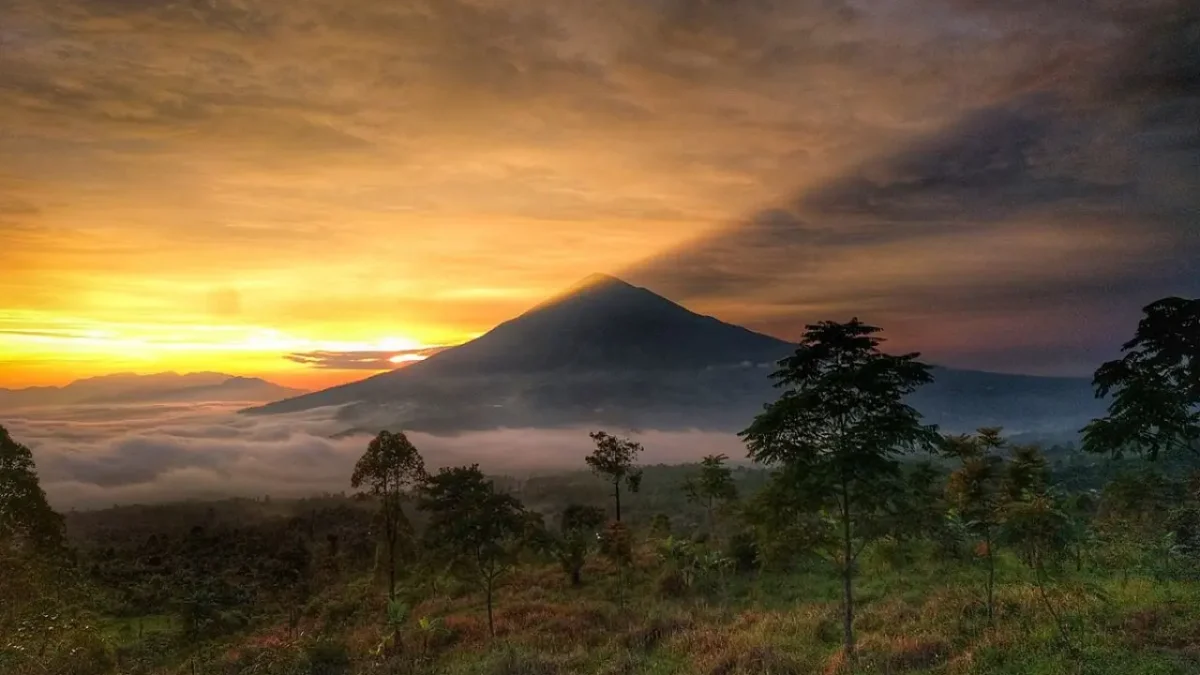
{"x":1024,"y":236}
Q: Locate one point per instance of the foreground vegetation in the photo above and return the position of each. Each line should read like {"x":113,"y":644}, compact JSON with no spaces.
{"x":868,"y":543}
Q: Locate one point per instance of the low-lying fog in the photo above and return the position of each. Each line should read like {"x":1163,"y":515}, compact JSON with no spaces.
{"x":97,"y":456}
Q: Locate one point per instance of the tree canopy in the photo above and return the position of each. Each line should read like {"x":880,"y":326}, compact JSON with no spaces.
{"x":838,"y":430}
{"x":390,"y":469}
{"x":477,"y":529}
{"x":615,"y":459}
{"x":25,"y":515}
{"x":1155,"y":386}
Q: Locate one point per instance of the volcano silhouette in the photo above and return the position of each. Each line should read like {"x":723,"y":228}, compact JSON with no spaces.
{"x":606,"y":352}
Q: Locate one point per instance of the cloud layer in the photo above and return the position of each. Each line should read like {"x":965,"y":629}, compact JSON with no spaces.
{"x":96,"y":456}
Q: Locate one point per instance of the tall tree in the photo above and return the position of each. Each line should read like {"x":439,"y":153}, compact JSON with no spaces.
{"x":578,"y":534}
{"x":840,"y":427}
{"x":1155,"y":386}
{"x":975,"y":491}
{"x":478,"y":530}
{"x":25,"y":515}
{"x":391,"y":469}
{"x":711,"y":487}
{"x":614,"y":459}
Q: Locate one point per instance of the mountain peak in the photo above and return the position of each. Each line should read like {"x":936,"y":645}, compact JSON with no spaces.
{"x":592,"y":283}
{"x":598,"y":280}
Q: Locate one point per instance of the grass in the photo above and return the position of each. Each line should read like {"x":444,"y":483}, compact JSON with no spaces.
{"x":124,"y":629}
{"x":928,"y":619}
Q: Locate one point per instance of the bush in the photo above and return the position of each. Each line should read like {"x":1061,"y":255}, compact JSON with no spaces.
{"x":672,"y":583}
{"x":327,"y":657}
{"x":742,"y":548}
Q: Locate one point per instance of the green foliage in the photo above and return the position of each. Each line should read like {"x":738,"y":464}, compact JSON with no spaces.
{"x":614,"y":459}
{"x":1155,"y":387}
{"x":578,"y":536}
{"x":616,"y":544}
{"x":1038,"y":526}
{"x":839,"y":428}
{"x":25,"y":516}
{"x":1026,"y":471}
{"x":688,"y":566}
{"x":712,"y":487}
{"x":742,"y":550}
{"x":390,"y":469}
{"x":787,"y":528}
{"x":476,"y":529}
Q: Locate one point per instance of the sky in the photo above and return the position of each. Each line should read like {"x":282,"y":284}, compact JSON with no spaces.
{"x":307,"y":190}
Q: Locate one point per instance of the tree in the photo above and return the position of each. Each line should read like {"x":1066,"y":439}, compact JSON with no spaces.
{"x":1026,"y":472}
{"x":390,"y":469}
{"x":578,"y":535}
{"x":613,"y":459}
{"x":711,"y":487}
{"x":616,"y":544}
{"x":1039,"y":528}
{"x":919,"y":514}
{"x":839,"y":428}
{"x":25,"y":515}
{"x":1155,"y":386}
{"x":478,"y":530}
{"x":976,"y":492}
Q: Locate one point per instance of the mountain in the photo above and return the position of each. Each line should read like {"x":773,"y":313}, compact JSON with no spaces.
{"x":156,"y":388}
{"x":606,"y":352}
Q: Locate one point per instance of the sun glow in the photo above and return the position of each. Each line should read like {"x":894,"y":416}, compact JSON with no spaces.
{"x":45,"y":350}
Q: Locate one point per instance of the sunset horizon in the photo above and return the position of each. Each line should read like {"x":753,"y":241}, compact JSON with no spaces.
{"x":220,"y":185}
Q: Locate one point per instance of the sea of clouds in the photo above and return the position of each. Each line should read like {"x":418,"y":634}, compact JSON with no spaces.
{"x":97,"y":456}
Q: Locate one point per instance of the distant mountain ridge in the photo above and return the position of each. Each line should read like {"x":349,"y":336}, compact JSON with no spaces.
{"x":169,"y":387}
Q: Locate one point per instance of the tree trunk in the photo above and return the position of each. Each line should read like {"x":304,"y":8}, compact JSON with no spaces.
{"x":991,"y":582}
{"x":617,"y":494}
{"x":491,"y":622}
{"x":576,"y":579}
{"x":847,"y":579}
{"x":1039,"y":573}
{"x":391,"y":537}
{"x":621,"y":584}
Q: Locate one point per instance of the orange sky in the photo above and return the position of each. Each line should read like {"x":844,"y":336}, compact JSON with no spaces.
{"x":219,"y":185}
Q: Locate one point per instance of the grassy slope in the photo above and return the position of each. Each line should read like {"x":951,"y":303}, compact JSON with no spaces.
{"x":923,"y":620}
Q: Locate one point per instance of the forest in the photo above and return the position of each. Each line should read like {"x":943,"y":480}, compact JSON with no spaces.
{"x":853,"y":538}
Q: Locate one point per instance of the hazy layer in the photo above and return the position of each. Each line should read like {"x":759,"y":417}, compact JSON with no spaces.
{"x":95,"y":456}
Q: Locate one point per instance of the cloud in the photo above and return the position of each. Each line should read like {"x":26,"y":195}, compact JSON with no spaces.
{"x":361,"y":360}
{"x":95,"y":456}
{"x":348,"y":165}
{"x":1024,"y":235}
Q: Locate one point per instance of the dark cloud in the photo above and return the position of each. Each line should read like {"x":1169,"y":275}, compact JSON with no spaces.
{"x":992,"y":164}
{"x":1057,"y":213}
{"x":1162,"y":58}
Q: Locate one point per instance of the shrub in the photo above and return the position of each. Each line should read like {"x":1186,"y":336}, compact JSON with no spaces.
{"x":742,"y":548}
{"x":327,"y":657}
